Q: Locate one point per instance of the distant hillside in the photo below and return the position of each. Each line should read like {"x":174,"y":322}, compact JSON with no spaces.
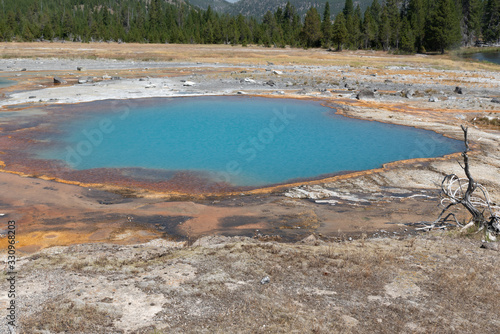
{"x":221,"y":6}
{"x":258,"y":8}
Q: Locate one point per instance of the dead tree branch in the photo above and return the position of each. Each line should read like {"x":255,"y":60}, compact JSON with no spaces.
{"x":470,"y":194}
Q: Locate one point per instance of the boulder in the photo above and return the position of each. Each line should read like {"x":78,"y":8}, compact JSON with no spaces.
{"x":189,"y":83}
{"x":458,"y":90}
{"x":271,"y":83}
{"x":365,"y":94}
{"x":277,"y":72}
{"x":408,"y":93}
{"x":58,"y":80}
{"x":116,"y":78}
{"x":79,"y":68}
{"x":495,"y":100}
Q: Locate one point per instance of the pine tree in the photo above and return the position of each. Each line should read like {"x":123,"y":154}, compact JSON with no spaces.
{"x":472,"y":11}
{"x":369,"y":29}
{"x":491,"y":23}
{"x":339,"y":31}
{"x":326,"y":26}
{"x":407,"y":37}
{"x":443,"y":27}
{"x":385,"y":30}
{"x":348,"y":8}
{"x":312,"y":28}
{"x":417,"y":16}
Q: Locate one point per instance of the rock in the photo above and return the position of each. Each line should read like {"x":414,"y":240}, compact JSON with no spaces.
{"x":365,"y":94}
{"x":350,"y":321}
{"x":106,"y":77}
{"x":495,"y":100}
{"x":433,"y":99}
{"x":491,"y":246}
{"x":23,"y":70}
{"x":83,"y":80}
{"x":248,"y":80}
{"x":188,"y":83}
{"x":270,"y":83}
{"x":142,"y":79}
{"x":116,"y":78}
{"x":265,"y":280}
{"x":388,"y":81}
{"x":277,"y":72}
{"x":280,"y":92}
{"x":458,"y":90}
{"x":310,"y":192}
{"x":32,"y":97}
{"x":408,"y":93}
{"x":312,"y":240}
{"x":58,"y":80}
{"x":79,"y":68}
{"x":241,"y":92}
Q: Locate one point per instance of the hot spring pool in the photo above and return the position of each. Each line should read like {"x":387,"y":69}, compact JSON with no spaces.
{"x":241,"y":141}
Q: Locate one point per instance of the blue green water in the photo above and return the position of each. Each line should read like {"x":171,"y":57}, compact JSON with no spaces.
{"x":5,"y":82}
{"x":241,"y":140}
{"x":493,"y":57}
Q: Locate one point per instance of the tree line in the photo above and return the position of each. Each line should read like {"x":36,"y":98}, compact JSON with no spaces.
{"x":399,"y":25}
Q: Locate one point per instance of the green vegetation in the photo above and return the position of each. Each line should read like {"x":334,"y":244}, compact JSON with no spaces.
{"x":406,"y":26}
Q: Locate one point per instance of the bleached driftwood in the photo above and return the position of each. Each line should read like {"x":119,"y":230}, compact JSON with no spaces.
{"x":472,"y":195}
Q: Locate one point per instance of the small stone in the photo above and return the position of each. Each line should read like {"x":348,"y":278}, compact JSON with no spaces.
{"x":270,"y":83}
{"x":277,"y":72}
{"x":408,"y":93}
{"x":241,"y":92}
{"x":116,"y":78}
{"x":491,"y":246}
{"x":79,"y":68}
{"x":458,"y":90}
{"x":265,"y":280}
{"x":32,"y":97}
{"x":23,"y":70}
{"x":189,"y":83}
{"x":495,"y":100}
{"x":433,"y":99}
{"x":58,"y":80}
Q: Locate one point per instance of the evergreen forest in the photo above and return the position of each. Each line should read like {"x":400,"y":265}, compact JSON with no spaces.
{"x":407,"y":26}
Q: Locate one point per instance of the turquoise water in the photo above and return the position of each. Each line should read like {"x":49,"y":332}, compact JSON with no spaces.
{"x":240,"y":140}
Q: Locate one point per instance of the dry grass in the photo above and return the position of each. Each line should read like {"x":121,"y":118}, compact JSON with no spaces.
{"x":432,"y":284}
{"x":65,"y":316}
{"x":232,"y":55}
{"x":487,"y":122}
